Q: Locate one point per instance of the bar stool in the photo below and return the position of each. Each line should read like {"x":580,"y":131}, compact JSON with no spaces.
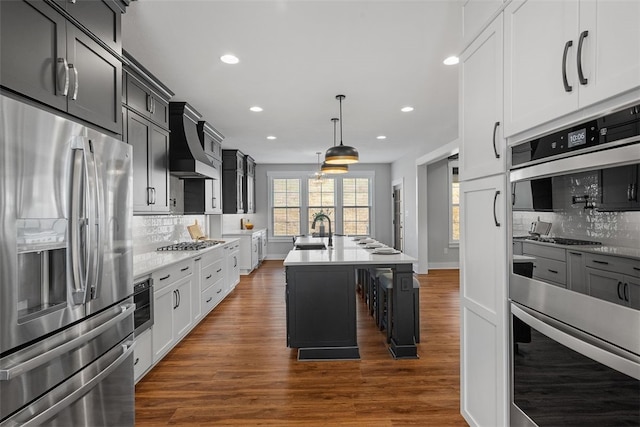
{"x":375,"y":307}
{"x":384,"y":313}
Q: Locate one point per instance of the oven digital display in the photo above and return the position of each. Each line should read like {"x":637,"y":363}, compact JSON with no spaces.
{"x":577,"y":138}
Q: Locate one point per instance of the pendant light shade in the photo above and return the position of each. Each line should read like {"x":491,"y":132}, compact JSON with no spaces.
{"x":333,"y":168}
{"x":341,"y":154}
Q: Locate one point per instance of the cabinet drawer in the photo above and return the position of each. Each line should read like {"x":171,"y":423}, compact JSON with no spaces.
{"x":169,"y":275}
{"x":142,"y":354}
{"x":102,"y":18}
{"x":550,"y":270}
{"x":615,"y":264}
{"x":212,"y":273}
{"x":537,"y":250}
{"x":212,"y":295}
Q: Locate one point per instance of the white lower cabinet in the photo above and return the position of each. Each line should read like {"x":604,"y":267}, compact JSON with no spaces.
{"x":232,"y":263}
{"x":483,"y":302}
{"x":172,"y":307}
{"x":142,"y":355}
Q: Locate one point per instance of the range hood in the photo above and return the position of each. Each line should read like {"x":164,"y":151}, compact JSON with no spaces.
{"x":187,"y":159}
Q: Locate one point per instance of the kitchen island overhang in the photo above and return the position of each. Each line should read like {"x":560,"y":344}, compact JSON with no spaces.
{"x":321,"y":300}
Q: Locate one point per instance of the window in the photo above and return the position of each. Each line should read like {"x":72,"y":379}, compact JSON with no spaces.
{"x":355,"y":206}
{"x":295,"y":198}
{"x":454,"y":202}
{"x":321,"y":197}
{"x":286,"y":206}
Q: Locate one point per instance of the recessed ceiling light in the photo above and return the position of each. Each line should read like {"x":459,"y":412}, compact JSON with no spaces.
{"x":229,"y":59}
{"x":271,"y":137}
{"x":381,"y":137}
{"x":406,"y":109}
{"x":255,"y":109}
{"x":452,"y":60}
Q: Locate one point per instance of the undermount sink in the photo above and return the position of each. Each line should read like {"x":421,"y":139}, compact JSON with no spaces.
{"x":310,"y":246}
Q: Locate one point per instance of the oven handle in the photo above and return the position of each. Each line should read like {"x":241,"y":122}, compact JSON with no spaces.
{"x":600,"y":351}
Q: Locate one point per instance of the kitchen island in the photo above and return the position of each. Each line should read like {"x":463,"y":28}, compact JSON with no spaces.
{"x":321,"y":299}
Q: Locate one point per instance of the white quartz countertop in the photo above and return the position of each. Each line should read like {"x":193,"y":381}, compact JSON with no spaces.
{"x":344,"y":251}
{"x":242,"y":232}
{"x":147,"y":262}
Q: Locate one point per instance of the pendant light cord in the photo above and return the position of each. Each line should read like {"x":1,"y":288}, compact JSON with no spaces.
{"x":340,"y":98}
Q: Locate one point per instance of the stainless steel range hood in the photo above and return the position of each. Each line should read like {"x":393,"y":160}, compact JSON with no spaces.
{"x":187,"y":158}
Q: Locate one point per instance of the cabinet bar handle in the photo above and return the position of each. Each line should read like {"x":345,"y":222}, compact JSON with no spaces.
{"x":619,"y":294}
{"x":219,"y":290}
{"x":75,"y":83}
{"x":210,"y":298}
{"x":636,"y":268}
{"x":567,"y":87}
{"x":179,"y":297}
{"x":626,"y":292}
{"x":583,"y":36}
{"x":165,"y":277}
{"x":65,"y":65}
{"x":495,"y":129}
{"x":600,"y":262}
{"x":219,"y":270}
{"x":184,"y":269}
{"x":495,"y":216}
{"x":175,"y":298}
{"x":552,"y":271}
{"x":136,"y":361}
{"x":208,"y":277}
{"x":197,"y":259}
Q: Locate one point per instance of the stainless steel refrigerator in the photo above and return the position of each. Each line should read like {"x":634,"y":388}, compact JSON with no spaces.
{"x":66,"y":285}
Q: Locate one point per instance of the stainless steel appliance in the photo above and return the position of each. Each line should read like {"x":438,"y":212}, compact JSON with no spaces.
{"x":66,"y":285}
{"x":575,"y":329}
{"x":143,"y":299}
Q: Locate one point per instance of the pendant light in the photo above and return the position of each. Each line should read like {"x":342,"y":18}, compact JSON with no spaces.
{"x":334,"y":169}
{"x":319,"y":174}
{"x":342,"y":154}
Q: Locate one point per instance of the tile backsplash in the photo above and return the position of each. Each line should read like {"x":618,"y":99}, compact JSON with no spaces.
{"x":152,"y":231}
{"x":574,"y":221}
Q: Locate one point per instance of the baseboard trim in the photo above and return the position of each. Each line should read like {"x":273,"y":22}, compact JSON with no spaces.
{"x":444,"y":265}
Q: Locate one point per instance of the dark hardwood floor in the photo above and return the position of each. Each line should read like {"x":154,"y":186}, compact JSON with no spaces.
{"x":234,"y":368}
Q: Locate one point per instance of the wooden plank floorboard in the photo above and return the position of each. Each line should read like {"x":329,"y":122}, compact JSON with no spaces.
{"x":234,"y":368}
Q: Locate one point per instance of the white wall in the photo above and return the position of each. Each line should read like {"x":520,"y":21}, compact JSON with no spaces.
{"x":382,"y":200}
{"x":440,"y":254}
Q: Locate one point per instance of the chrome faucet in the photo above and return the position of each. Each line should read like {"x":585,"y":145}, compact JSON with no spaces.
{"x":321,"y":216}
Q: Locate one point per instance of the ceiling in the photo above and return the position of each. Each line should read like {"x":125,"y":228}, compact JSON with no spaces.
{"x":295,"y":57}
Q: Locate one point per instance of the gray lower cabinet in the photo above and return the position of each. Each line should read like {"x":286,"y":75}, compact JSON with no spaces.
{"x":150,"y":165}
{"x":45,"y":57}
{"x":550,"y":265}
{"x":614,"y":279}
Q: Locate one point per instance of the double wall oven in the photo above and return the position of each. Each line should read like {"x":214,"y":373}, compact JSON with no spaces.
{"x":574,"y":286}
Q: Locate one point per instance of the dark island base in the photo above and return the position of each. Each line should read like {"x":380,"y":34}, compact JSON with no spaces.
{"x":329,"y":353}
{"x":403,"y":351}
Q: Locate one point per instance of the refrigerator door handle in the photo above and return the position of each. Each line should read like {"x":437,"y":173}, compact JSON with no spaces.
{"x":62,"y":401}
{"x":77,"y":222}
{"x":19,"y":368}
{"x":98,"y":247}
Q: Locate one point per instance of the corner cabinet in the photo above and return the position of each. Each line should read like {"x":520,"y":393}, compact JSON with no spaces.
{"x":483,"y":150}
{"x":483,"y":302}
{"x":561,"y":56}
{"x":145,"y":107}
{"x":45,"y":57}
{"x":233,"y":185}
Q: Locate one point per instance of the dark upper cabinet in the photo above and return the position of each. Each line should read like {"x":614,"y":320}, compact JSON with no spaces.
{"x":45,"y":57}
{"x":211,"y":140}
{"x":150,"y":165}
{"x":103,"y":18}
{"x":619,"y":188}
{"x":149,"y":137}
{"x":233,"y":177}
{"x":249,"y":192}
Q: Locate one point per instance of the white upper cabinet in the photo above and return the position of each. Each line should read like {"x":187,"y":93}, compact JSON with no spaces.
{"x":482,"y":144}
{"x":561,"y":56}
{"x":611,"y":48}
{"x":475,"y":15}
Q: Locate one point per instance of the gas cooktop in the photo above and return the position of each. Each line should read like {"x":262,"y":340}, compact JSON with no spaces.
{"x":190,"y":246}
{"x":567,"y":241}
